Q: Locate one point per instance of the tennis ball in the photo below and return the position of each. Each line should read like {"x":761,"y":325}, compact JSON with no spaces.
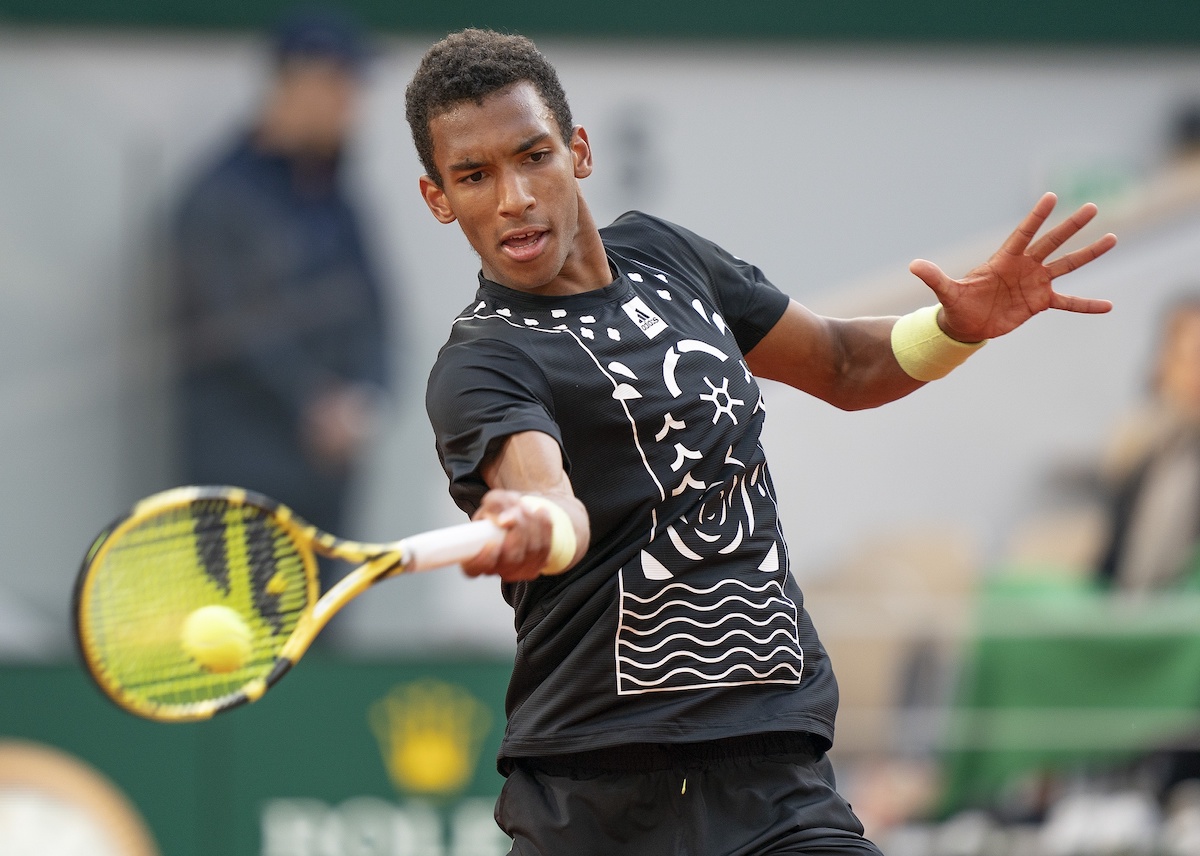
{"x":217,"y":638}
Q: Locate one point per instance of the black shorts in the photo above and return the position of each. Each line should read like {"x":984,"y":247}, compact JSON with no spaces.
{"x":782,"y":803}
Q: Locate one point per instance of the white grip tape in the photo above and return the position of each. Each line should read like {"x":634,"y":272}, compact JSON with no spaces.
{"x":562,"y":534}
{"x":452,"y":545}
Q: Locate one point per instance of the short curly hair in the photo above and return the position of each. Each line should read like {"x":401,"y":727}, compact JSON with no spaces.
{"x":469,"y":66}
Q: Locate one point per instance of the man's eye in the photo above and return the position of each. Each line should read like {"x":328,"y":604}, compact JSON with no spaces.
{"x":473,"y":178}
{"x":538,"y":157}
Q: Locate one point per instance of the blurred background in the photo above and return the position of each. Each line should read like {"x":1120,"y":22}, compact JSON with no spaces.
{"x":1000,"y":695}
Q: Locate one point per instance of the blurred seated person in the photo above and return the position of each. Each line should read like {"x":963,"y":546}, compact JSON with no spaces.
{"x":283,"y":343}
{"x":1154,"y":466}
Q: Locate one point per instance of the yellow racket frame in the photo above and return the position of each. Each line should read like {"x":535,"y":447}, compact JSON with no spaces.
{"x":275,"y":657}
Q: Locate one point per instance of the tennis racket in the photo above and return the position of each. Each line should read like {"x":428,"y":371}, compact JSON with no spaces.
{"x":196,"y":549}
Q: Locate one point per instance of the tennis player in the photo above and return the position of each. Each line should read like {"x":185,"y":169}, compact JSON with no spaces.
{"x":670,"y":694}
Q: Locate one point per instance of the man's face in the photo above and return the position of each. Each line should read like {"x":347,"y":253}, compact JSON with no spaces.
{"x":319,"y":100}
{"x":511,"y":182}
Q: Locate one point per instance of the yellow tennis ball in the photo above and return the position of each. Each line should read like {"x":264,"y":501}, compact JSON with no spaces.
{"x":217,"y":638}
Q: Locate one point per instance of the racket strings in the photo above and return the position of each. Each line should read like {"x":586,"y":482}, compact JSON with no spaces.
{"x":122,"y":616}
{"x":158,"y":571}
{"x":266,"y":557}
{"x":209,"y":528}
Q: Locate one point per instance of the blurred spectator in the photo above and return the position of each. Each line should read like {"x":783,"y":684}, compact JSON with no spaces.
{"x":1154,"y":467}
{"x":1185,"y":131}
{"x":283,"y":341}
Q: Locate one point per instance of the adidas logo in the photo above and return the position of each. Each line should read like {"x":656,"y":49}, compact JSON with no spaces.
{"x":643,"y":316}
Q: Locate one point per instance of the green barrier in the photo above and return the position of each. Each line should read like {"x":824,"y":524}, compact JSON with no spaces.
{"x":1040,"y":22}
{"x":1062,"y":676}
{"x":343,"y":757}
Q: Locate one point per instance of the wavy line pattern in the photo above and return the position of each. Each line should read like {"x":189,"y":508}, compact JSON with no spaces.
{"x":703,"y":591}
{"x":684,"y":619}
{"x":720,"y":658}
{"x":779,"y":631}
{"x":787,"y":674}
{"x":709,"y":607}
{"x":669,"y":641}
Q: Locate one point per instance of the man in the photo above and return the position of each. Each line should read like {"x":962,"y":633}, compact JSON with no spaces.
{"x":1154,"y":468}
{"x":282,"y":335}
{"x":670,"y":694}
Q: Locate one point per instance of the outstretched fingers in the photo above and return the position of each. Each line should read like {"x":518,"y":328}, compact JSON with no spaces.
{"x":1078,"y":258}
{"x":1018,"y":242}
{"x":1063,"y":232}
{"x":1085,"y":305}
{"x":1018,"y":276}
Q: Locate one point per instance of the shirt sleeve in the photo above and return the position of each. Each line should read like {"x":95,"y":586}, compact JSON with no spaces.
{"x":749,"y":302}
{"x":480,"y":392}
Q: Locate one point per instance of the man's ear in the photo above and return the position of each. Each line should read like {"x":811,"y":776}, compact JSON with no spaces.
{"x":435,"y":199}
{"x":581,"y":151}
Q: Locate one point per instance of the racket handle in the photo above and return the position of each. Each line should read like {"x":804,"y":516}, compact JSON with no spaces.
{"x":451,"y":545}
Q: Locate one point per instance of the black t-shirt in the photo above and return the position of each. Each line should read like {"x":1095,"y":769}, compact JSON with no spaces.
{"x":682,"y":623}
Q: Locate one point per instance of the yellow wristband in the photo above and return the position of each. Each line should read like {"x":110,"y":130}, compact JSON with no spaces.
{"x":562,"y":534}
{"x":923,"y":350}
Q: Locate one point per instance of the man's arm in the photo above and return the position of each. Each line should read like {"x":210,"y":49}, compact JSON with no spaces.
{"x":848,"y":363}
{"x":526,"y":464}
{"x":852,"y":364}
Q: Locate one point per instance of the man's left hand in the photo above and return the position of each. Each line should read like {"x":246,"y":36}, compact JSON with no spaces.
{"x":1017,"y":282}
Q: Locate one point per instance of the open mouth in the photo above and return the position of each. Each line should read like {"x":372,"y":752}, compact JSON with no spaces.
{"x":525,"y":245}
